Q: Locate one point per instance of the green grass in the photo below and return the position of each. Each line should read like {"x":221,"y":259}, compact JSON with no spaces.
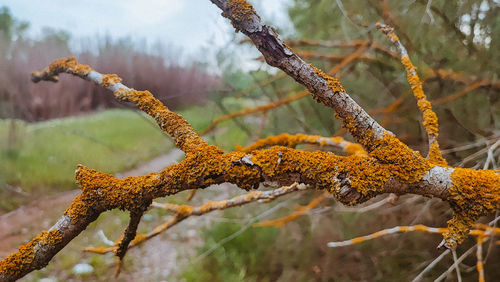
{"x":42,"y":157}
{"x":245,"y":258}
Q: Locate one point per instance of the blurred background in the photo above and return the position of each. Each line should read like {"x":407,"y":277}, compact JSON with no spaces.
{"x":190,"y":58}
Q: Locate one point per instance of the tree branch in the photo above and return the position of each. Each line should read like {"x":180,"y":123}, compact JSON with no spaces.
{"x":174,"y":124}
{"x":390,"y":167}
{"x":430,"y":119}
{"x":323,"y":88}
{"x":184,"y":211}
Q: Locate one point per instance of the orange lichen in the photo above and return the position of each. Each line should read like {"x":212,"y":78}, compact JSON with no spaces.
{"x":185,"y":210}
{"x":481,"y":234}
{"x":138,"y":239}
{"x":263,"y":108}
{"x":354,"y":149}
{"x":206,"y":165}
{"x":301,"y":210}
{"x":332,"y":58}
{"x":174,"y":124}
{"x":474,"y":193}
{"x":430,"y":119}
{"x":21,"y":261}
{"x":241,"y":10}
{"x":99,"y":250}
{"x":101,"y":190}
{"x":435,"y":155}
{"x":289,"y":140}
{"x":407,"y":165}
{"x":82,"y":70}
{"x":69,"y":64}
{"x":333,"y":83}
{"x":110,"y":79}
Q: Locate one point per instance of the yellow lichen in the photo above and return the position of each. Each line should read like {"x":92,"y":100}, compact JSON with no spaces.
{"x":110,"y":79}
{"x":241,"y":10}
{"x":474,"y":193}
{"x":333,"y":83}
{"x":406,"y":164}
{"x":139,"y":238}
{"x":21,"y":261}
{"x":174,"y":124}
{"x":289,"y":140}
{"x":69,"y":63}
{"x":435,"y":155}
{"x":263,"y":108}
{"x":301,"y":210}
{"x":355,"y":149}
{"x":430,"y":120}
{"x":185,"y":210}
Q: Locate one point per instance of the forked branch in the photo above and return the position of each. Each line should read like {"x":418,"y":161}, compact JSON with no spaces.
{"x":389,"y":167}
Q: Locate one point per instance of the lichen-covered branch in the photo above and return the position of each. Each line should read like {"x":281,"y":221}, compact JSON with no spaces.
{"x":184,"y":211}
{"x":350,"y":44}
{"x":174,"y":124}
{"x":323,"y":88}
{"x":301,"y":210}
{"x":480,"y":230}
{"x":430,"y":119}
{"x":263,"y":108}
{"x":330,"y":57}
{"x":389,"y":166}
{"x":352,"y":179}
{"x":288,"y":140}
{"x":409,"y":166}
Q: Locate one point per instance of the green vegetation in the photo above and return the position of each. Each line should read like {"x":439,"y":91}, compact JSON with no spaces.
{"x":40,"y":158}
{"x":245,"y":258}
{"x":45,"y":153}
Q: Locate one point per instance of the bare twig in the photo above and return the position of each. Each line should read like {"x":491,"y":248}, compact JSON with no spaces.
{"x":431,"y":265}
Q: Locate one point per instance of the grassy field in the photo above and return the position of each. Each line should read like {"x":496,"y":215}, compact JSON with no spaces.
{"x":46,"y":153}
{"x":40,"y":158}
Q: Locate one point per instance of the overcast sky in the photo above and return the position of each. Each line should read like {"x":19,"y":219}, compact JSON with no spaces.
{"x":185,"y":24}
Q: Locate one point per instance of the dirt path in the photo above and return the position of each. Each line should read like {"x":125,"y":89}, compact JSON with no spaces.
{"x":20,"y":224}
